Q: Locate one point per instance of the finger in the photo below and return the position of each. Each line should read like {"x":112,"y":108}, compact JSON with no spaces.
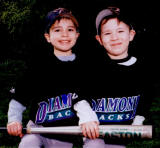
{"x":96,"y":128}
{"x":14,"y":131}
{"x":21,"y":135}
{"x":19,"y":128}
{"x":9,"y":130}
{"x":93,"y":133}
{"x":14,"y":128}
{"x":88,"y":131}
{"x":97,"y":131}
{"x":84,"y":131}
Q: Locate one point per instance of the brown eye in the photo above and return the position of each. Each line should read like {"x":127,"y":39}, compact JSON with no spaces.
{"x":107,"y":33}
{"x":120,"y":31}
{"x":57,"y":30}
{"x":70,"y":30}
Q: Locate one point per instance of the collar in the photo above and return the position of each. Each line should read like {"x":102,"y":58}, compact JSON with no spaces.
{"x":67,"y":58}
{"x":128,"y":61}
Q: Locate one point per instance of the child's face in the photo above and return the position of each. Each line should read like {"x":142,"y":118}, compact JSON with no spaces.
{"x":62,"y":36}
{"x":115,"y":37}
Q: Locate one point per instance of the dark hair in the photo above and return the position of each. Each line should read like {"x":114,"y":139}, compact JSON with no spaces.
{"x":59,"y":14}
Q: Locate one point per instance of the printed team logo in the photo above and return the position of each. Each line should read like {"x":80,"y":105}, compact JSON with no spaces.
{"x":57,"y":108}
{"x":115,"y":109}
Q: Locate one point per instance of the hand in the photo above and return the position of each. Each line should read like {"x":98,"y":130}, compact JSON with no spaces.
{"x":90,"y":129}
{"x":15,"y":129}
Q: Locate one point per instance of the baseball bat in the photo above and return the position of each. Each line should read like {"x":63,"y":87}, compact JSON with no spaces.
{"x":109,"y":131}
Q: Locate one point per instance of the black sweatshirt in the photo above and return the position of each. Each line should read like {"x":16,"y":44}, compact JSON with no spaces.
{"x":50,"y":88}
{"x":117,"y":91}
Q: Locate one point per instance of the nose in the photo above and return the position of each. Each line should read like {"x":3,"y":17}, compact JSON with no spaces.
{"x":64,"y":33}
{"x":114,"y":36}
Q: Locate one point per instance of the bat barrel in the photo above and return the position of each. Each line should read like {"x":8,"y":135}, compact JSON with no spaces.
{"x":126,"y":131}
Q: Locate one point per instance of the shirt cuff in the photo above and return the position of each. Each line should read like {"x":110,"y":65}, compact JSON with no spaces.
{"x":138,"y":120}
{"x":85,"y":112}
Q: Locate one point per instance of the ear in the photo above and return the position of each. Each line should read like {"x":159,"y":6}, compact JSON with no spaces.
{"x":98,"y":38}
{"x":132,"y":34}
{"x":77,"y":35}
{"x":47,"y":37}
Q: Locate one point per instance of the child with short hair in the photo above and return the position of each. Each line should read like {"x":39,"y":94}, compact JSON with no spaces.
{"x":52,"y":88}
{"x":117,"y":91}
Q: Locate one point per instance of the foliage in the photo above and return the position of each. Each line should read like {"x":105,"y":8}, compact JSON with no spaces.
{"x":14,"y":14}
{"x":10,"y":71}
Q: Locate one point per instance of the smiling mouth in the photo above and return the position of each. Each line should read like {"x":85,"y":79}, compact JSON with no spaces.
{"x":64,"y":41}
{"x":116,"y":44}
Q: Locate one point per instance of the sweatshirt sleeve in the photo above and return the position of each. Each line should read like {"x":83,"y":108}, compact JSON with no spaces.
{"x":15,"y":111}
{"x":85,"y":112}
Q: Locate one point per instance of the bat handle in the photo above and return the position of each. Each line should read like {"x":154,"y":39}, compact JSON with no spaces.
{"x":28,"y":130}
{"x":4,"y":130}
